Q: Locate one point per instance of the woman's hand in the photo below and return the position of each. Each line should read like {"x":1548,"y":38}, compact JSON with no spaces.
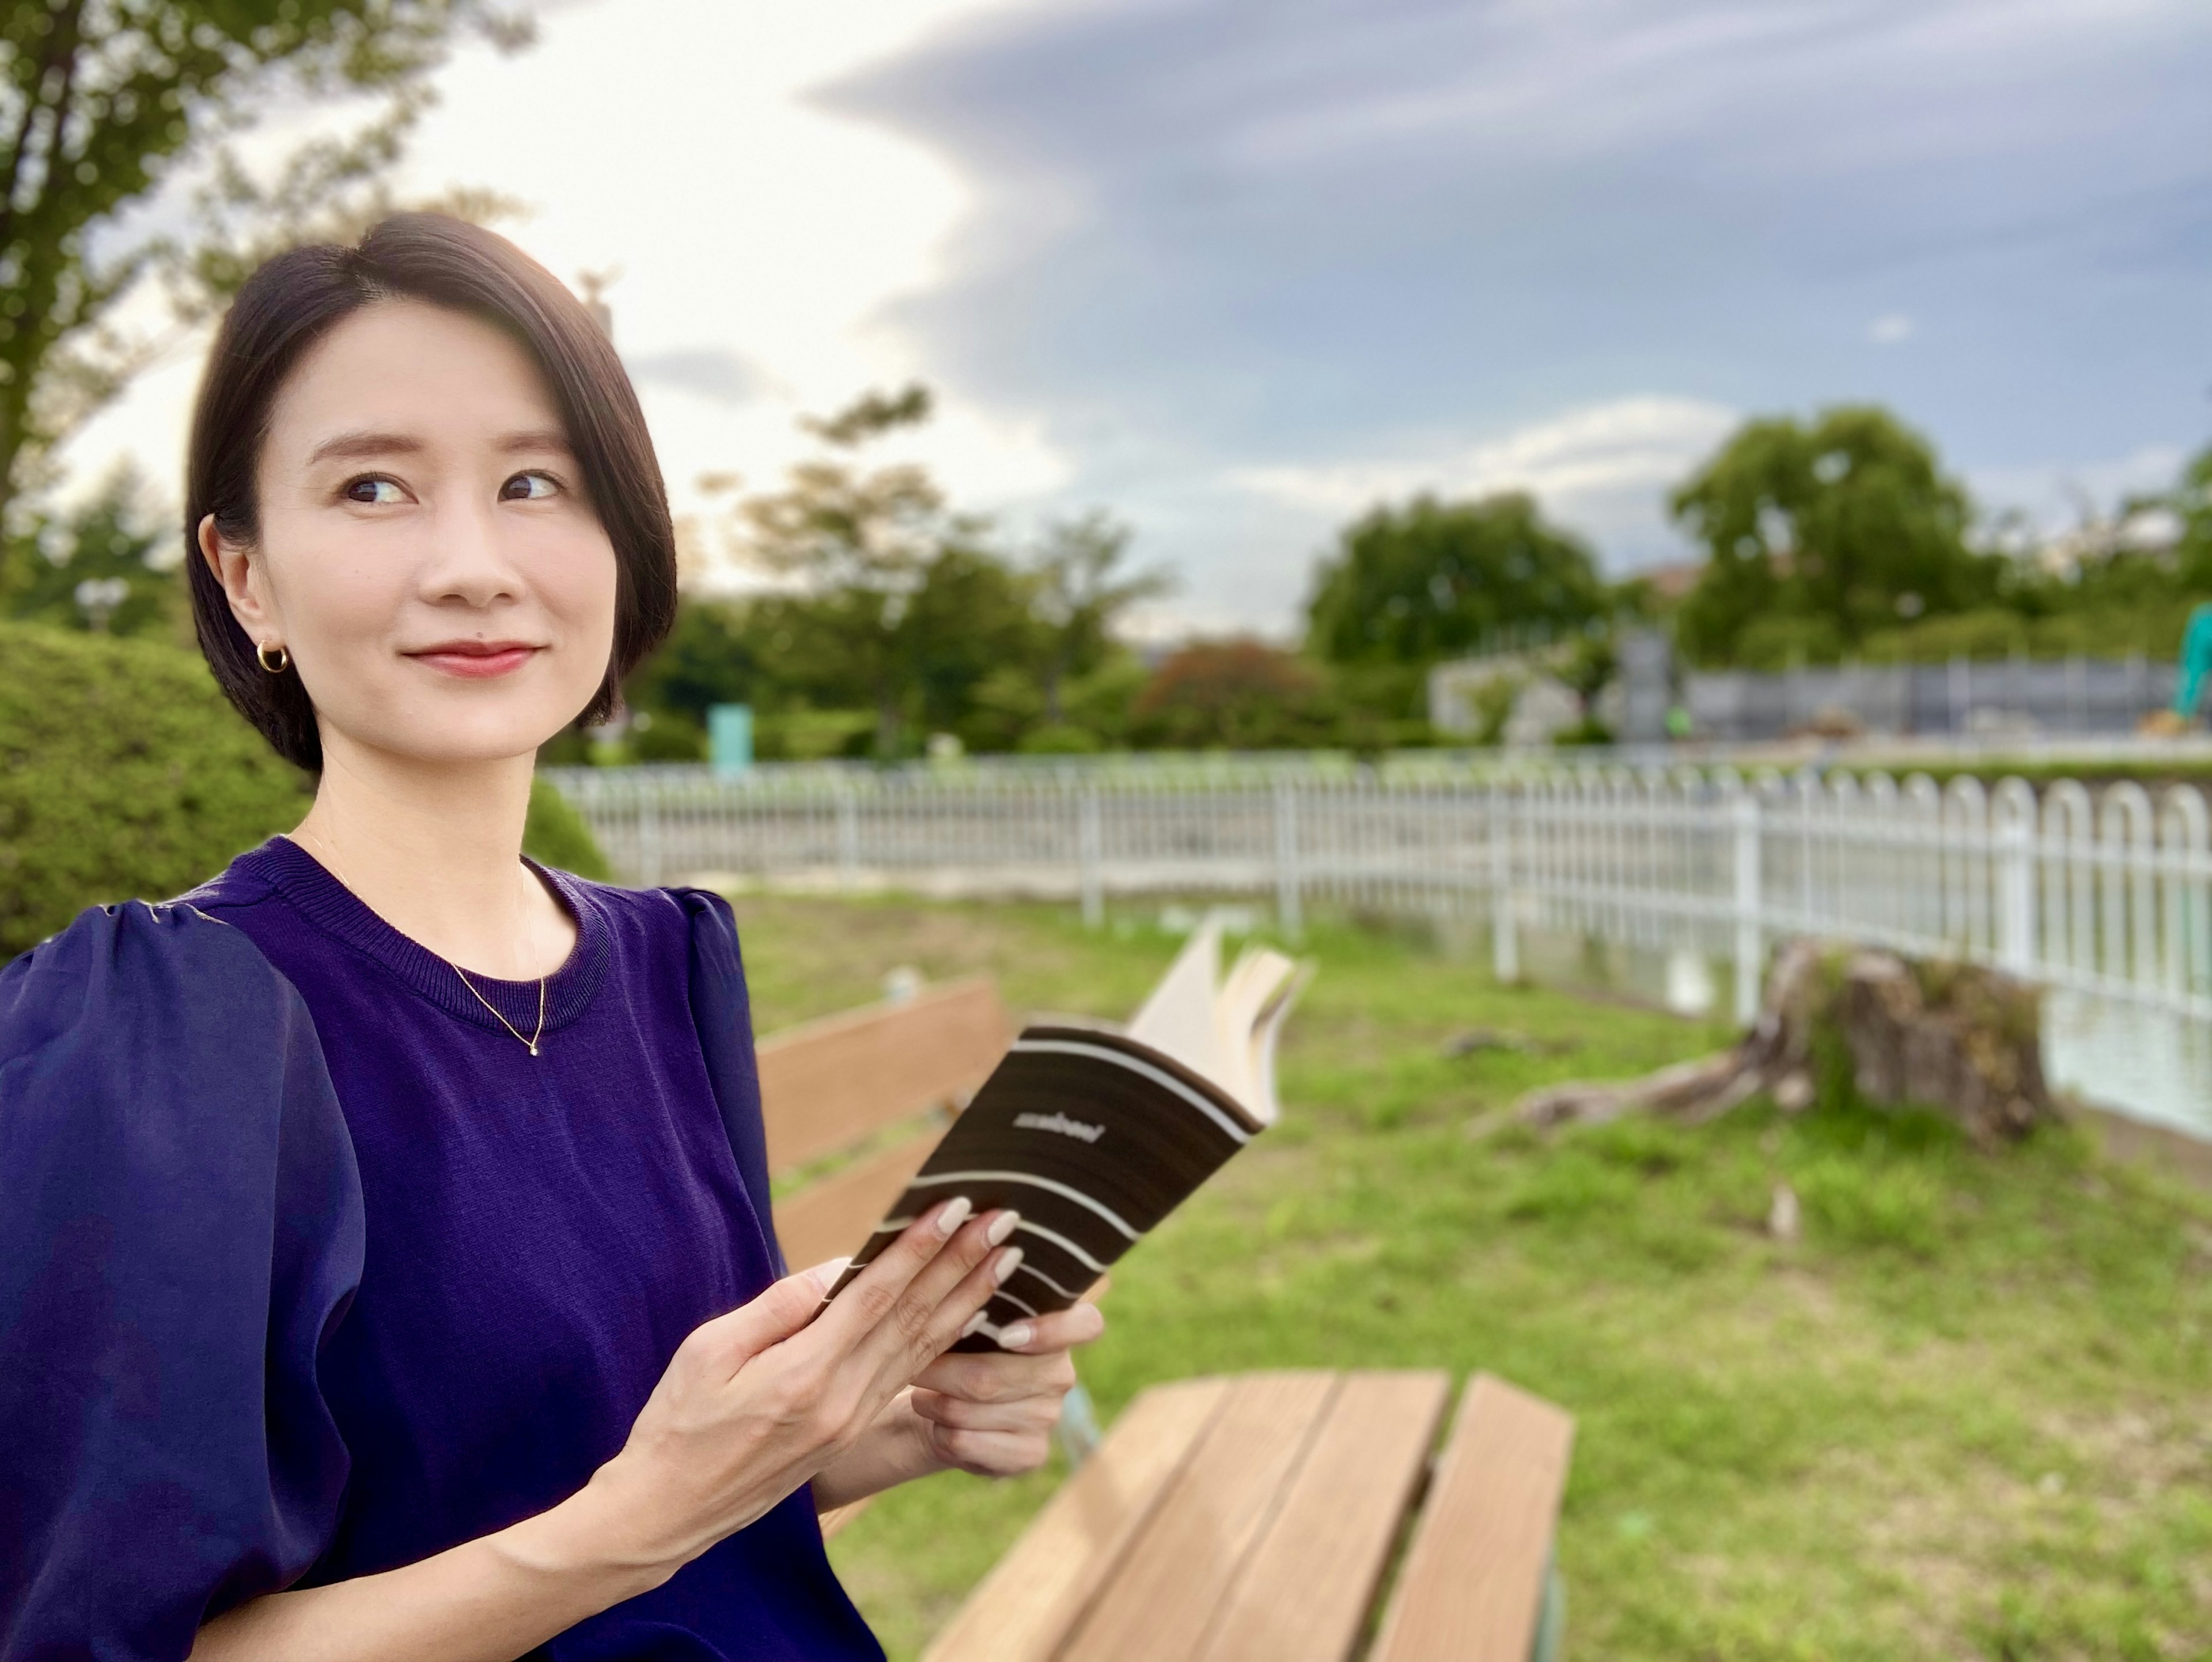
{"x":754,"y":1402}
{"x":992,"y":1413}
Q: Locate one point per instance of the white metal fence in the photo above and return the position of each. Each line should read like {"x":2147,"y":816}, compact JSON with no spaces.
{"x":2109,"y":894}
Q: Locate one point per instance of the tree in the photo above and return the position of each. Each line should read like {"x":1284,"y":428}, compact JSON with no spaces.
{"x":103,"y":101}
{"x":1436,"y":580}
{"x":2191,"y":502}
{"x":1080,"y":597}
{"x":1830,"y":530}
{"x":860,"y":541}
{"x":972,"y":615}
{"x":108,"y":563}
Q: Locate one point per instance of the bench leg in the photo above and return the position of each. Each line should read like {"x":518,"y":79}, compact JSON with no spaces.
{"x":1551,"y":1618}
{"x":1078,"y":1430}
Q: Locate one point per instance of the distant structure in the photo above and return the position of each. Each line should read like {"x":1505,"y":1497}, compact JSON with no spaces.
{"x":595,"y":285}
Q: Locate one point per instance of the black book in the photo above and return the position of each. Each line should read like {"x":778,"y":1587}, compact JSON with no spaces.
{"x":1094,"y":1134}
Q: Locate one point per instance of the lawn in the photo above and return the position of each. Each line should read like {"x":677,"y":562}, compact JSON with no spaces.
{"x":1968,"y":1415}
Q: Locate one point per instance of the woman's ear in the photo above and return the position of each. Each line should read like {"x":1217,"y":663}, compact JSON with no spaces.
{"x":240,"y":585}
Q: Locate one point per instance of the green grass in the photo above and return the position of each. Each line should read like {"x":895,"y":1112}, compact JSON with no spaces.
{"x":1969,"y":1413}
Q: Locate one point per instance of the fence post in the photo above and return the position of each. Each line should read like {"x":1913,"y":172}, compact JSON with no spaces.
{"x":1092,"y":877}
{"x":1750,"y":951}
{"x":648,"y":838}
{"x":2017,"y":889}
{"x":848,"y":838}
{"x":1505,"y":940}
{"x":1287,"y":909}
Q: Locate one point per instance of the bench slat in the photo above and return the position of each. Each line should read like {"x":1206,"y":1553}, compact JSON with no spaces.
{"x":1304,"y":1594}
{"x":1472,"y":1583}
{"x":828,"y":1219}
{"x":1020,"y":1611}
{"x":1162,"y":1596}
{"x":828,"y":1084}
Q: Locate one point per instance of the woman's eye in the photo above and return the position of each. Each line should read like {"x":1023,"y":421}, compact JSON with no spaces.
{"x":524,"y":487}
{"x":373,"y":490}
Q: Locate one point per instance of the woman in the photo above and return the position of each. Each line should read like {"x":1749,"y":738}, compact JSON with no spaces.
{"x":386,"y":1268}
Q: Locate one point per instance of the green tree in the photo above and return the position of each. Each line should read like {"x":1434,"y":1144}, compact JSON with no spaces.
{"x":103,"y":102}
{"x":108,"y":562}
{"x":1081,"y":594}
{"x":972,"y":615}
{"x":861,"y":541}
{"x":2191,"y":500}
{"x":1826,"y":532}
{"x":1434,"y":580}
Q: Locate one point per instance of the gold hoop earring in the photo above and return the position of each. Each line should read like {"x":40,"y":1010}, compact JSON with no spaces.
{"x":283,"y":659}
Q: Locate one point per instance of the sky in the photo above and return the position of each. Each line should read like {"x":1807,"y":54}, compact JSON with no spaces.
{"x":1239,"y":270}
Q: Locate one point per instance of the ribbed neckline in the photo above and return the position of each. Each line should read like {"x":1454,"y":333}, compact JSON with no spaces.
{"x":317,"y":895}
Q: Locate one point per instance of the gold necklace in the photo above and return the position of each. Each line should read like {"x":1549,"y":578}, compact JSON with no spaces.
{"x":536,"y":1034}
{"x":533,"y":1040}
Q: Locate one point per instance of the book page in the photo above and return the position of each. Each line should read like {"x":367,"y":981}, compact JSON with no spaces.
{"x":1179,"y":1016}
{"x":1246,"y":1013}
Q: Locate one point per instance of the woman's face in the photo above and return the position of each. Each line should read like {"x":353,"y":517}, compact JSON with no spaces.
{"x":428,"y":555}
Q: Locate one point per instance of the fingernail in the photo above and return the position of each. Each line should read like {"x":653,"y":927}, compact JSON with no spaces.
{"x":953,"y":1215}
{"x":1014,"y":1338}
{"x":1001,"y":1226}
{"x":973,"y":1323}
{"x":1009,"y":1260}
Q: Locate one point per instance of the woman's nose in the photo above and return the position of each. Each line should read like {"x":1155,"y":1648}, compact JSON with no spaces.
{"x":469,"y":560}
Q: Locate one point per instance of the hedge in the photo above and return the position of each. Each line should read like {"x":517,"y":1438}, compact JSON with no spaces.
{"x":124,"y":772}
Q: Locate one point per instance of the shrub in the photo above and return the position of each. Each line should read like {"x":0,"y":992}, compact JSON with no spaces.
{"x":555,"y":834}
{"x":125,"y":773}
{"x":1233,"y":695}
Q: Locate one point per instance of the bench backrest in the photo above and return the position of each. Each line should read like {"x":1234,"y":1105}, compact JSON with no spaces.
{"x":833,"y":1085}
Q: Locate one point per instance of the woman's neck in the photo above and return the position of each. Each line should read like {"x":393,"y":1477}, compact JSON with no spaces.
{"x":437,"y":853}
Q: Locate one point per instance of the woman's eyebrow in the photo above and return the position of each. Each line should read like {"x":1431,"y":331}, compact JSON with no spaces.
{"x":355,"y":447}
{"x":536,"y":438}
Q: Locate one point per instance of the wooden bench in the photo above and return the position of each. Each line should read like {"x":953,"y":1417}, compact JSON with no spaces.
{"x":864,"y":1096}
{"x":1255,"y":1516}
{"x":872,"y":1086}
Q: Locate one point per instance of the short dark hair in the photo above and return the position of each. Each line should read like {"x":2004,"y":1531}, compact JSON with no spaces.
{"x":291,"y":302}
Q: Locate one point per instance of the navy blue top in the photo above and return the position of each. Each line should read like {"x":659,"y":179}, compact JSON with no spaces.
{"x":309,"y":1270}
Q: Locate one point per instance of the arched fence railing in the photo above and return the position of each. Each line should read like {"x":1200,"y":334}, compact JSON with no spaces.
{"x":2108,"y":892}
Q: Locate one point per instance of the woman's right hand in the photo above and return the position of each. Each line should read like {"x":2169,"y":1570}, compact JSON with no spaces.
{"x":756,"y":1402}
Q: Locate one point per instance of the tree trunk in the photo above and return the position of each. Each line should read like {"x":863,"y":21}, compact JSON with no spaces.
{"x":1840,"y":1022}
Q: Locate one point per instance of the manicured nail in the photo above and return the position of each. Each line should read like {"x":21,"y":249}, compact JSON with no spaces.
{"x":1009,"y":1260}
{"x":973,"y":1323}
{"x":953,"y":1215}
{"x":1014,"y":1338}
{"x":1001,"y":1226}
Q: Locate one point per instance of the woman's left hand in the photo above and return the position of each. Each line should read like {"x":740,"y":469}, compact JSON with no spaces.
{"x":991,"y":1412}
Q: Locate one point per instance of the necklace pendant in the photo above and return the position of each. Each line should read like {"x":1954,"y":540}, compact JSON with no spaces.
{"x":533,"y":1048}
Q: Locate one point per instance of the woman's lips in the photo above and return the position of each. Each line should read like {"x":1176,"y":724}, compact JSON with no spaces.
{"x":477,"y":659}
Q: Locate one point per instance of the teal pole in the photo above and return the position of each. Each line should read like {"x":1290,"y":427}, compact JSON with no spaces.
{"x":730,"y":739}
{"x":2195,"y":662}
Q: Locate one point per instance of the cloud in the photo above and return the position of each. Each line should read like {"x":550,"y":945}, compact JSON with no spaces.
{"x":2054,"y":496}
{"x":1598,"y":464}
{"x":715,"y":373}
{"x":1891,"y":329}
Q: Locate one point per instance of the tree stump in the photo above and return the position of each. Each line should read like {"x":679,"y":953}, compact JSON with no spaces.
{"x":1961,"y":1040}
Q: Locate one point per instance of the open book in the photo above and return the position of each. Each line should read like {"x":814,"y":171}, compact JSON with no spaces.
{"x":1095,"y":1134}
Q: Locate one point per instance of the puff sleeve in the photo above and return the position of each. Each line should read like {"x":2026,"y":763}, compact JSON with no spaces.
{"x":180,"y":1234}
{"x":721,"y":1010}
